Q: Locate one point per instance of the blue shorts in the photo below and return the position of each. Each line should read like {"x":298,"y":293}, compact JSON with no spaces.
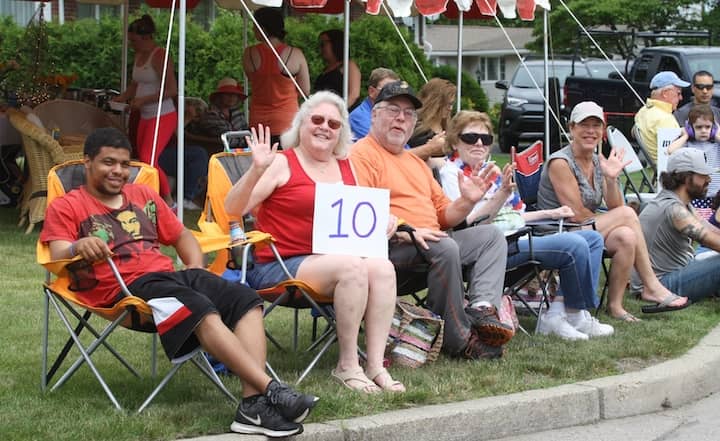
{"x":266,"y":275}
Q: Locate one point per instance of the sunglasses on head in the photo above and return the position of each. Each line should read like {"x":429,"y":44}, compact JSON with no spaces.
{"x":318,"y":120}
{"x":472,"y":138}
{"x":703,"y":86}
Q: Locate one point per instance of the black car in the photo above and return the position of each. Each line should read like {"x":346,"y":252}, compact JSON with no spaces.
{"x":522,"y":113}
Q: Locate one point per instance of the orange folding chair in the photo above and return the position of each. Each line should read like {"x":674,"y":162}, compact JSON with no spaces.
{"x":224,"y":169}
{"x":68,"y":288}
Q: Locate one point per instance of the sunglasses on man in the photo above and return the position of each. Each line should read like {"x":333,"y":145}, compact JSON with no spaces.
{"x":704,"y":86}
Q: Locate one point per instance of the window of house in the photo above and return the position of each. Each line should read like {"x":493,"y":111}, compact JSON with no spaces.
{"x":491,"y":69}
{"x":85,"y":10}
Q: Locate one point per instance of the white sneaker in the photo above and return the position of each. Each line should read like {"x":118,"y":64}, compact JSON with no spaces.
{"x":587,"y":324}
{"x":557,"y":324}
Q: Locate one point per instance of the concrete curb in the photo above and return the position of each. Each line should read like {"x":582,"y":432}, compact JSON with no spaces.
{"x":668,"y":384}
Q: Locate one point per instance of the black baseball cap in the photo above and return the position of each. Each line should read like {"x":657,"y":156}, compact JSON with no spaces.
{"x":398,"y":88}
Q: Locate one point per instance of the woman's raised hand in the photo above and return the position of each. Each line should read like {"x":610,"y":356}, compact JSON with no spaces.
{"x":263,"y":154}
{"x":613,"y":165}
{"x":508,"y":178}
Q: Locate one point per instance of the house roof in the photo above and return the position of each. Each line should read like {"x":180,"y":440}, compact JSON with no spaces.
{"x":477,"y":40}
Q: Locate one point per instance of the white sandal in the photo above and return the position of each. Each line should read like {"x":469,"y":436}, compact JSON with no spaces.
{"x":391,"y":385}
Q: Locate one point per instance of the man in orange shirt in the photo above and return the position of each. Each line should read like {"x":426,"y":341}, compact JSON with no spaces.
{"x":381,"y":161}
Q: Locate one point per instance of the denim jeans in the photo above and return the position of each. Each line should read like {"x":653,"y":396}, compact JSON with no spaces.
{"x":577,"y":255}
{"x":697,"y":280}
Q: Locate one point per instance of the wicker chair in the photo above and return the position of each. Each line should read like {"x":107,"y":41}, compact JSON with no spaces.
{"x":42,"y":152}
{"x":73,"y":117}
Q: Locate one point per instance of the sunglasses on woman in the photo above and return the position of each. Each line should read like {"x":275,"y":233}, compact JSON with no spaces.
{"x":472,"y":138}
{"x":318,"y":120}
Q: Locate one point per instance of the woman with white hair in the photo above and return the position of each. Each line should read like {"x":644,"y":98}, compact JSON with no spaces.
{"x":280,"y":186}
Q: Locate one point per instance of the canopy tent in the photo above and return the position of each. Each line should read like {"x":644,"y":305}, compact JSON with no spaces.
{"x":399,"y":8}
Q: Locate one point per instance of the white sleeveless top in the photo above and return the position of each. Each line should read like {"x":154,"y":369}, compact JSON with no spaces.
{"x":148,"y":83}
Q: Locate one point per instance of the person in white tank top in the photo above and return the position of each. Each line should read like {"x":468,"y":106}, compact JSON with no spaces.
{"x":143,"y":95}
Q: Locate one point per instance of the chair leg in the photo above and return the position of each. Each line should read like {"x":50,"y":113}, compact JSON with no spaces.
{"x":314,"y":361}
{"x":99,"y":339}
{"x":202,"y":363}
{"x":64,"y":351}
{"x":605,"y":288}
{"x":272,"y":372}
{"x":295,"y":330}
{"x":46,"y":326}
{"x":86,"y":356}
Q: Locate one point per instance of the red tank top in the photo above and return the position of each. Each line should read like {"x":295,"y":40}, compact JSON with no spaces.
{"x":289,"y":211}
{"x":274,"y":99}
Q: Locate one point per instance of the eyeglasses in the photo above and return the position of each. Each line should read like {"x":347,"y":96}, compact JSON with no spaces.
{"x":394,"y":111}
{"x":704,"y":86}
{"x":472,"y":138}
{"x":318,"y":120}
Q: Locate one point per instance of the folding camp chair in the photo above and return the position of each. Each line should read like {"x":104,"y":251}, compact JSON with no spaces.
{"x":529,"y":165}
{"x":224,"y":170}
{"x":619,"y":142}
{"x":642,"y":149}
{"x":528,"y":168}
{"x":66,"y":279}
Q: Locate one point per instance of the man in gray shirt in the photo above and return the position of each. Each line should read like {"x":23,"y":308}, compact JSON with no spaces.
{"x":670,"y":226}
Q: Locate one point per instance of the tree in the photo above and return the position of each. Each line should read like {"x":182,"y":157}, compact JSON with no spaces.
{"x":647,"y":15}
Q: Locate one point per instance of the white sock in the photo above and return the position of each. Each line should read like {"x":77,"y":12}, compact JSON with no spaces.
{"x":556,"y":307}
{"x":575,"y":316}
{"x":481,"y":303}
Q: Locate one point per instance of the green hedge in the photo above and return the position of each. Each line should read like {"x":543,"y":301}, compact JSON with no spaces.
{"x":92,"y":50}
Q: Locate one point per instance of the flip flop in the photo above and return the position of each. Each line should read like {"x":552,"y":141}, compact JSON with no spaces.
{"x":356,"y":380}
{"x":627,"y":317}
{"x":665,"y":306}
{"x":391,"y":385}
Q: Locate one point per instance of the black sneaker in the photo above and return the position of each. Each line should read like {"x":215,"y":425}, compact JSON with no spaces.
{"x":490,"y":329}
{"x":256,"y":416}
{"x":477,"y":350}
{"x":291,"y":404}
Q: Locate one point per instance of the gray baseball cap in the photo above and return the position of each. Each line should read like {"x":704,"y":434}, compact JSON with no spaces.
{"x":689,"y":159}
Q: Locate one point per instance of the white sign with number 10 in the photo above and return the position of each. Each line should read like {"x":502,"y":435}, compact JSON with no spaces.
{"x":351,"y":220}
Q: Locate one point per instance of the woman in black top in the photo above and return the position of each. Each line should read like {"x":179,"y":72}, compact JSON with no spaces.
{"x":331,"y":78}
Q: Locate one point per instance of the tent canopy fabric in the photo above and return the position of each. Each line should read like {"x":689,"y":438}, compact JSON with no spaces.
{"x":400,"y":8}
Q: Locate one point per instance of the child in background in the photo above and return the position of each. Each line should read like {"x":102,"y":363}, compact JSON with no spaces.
{"x":701,"y":132}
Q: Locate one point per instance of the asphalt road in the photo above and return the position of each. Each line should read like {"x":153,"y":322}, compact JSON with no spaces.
{"x":696,"y":421}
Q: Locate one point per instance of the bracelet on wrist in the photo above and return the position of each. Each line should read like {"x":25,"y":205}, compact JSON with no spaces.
{"x":72,"y":250}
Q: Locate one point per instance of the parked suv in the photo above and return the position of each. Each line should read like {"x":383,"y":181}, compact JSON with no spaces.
{"x":522,"y":113}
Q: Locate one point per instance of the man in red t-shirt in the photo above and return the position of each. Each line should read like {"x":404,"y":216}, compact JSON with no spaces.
{"x":108,"y":217}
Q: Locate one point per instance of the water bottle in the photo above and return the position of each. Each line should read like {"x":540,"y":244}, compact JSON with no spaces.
{"x":236,"y":235}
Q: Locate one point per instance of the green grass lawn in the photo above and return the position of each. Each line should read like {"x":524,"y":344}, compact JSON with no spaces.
{"x":190,"y":405}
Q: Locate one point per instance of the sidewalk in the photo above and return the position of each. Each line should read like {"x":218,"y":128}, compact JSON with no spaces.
{"x":667,"y":385}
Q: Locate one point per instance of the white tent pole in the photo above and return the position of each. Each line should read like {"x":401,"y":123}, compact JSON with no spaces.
{"x":180,"y":181}
{"x":546,"y":91}
{"x":61,"y":11}
{"x":458,"y":84}
{"x":346,"y":52}
{"x":124,"y":55}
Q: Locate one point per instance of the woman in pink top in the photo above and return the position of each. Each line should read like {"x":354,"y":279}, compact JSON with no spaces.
{"x":282,"y":188}
{"x":144,"y":92}
{"x":274,"y":96}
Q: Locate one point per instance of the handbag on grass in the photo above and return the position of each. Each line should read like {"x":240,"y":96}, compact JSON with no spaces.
{"x":416,"y":335}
